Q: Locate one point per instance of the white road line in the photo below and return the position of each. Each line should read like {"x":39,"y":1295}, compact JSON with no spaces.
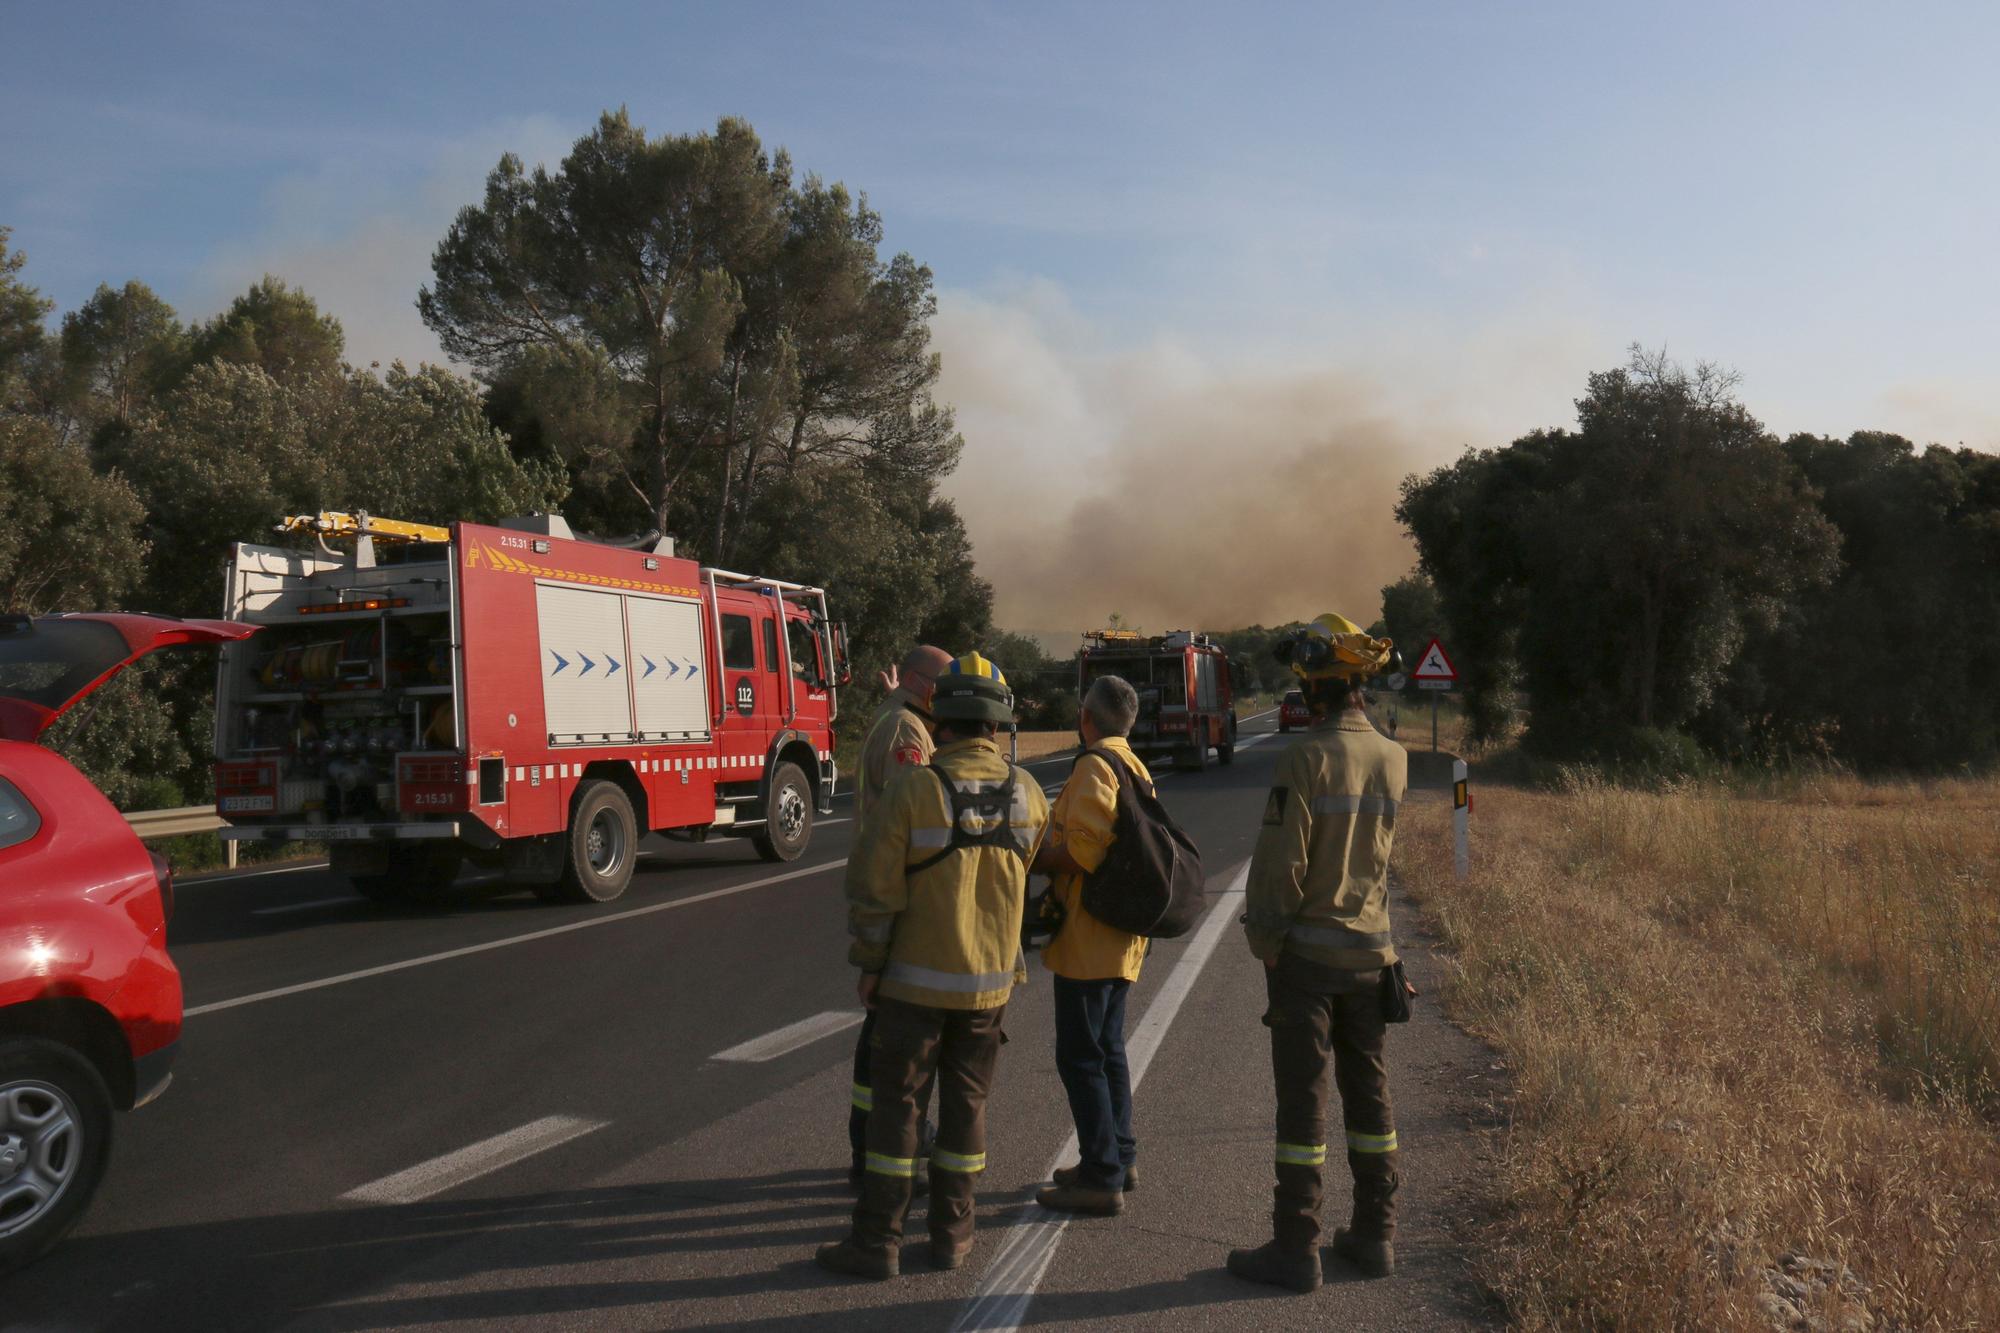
{"x":510,"y":941}
{"x":1000,"y":1301}
{"x":283,"y":908}
{"x":791,"y":1037}
{"x":469,"y":1163}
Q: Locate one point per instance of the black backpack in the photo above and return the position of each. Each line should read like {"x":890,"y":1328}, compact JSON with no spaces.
{"x":1150,"y":882}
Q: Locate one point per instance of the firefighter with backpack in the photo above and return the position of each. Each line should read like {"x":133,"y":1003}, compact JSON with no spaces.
{"x":935,"y":888}
{"x":1095,"y":964}
{"x":1317,"y":917}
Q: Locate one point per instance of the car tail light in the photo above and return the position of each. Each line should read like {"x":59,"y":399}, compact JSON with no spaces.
{"x":164,"y":875}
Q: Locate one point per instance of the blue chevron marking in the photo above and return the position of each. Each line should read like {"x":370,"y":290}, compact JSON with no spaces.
{"x":693,"y":670}
{"x":651,"y":666}
{"x":673,"y":668}
{"x":561,"y":662}
{"x":587,"y":664}
{"x":614,"y":664}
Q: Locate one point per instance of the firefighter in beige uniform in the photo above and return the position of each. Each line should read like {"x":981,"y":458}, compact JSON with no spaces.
{"x":935,"y":890}
{"x":899,"y":735}
{"x":1317,"y":917}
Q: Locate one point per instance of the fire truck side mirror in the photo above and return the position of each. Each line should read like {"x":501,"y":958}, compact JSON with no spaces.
{"x":843,"y":672}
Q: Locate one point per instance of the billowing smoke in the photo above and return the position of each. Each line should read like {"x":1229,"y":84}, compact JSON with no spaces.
{"x":1150,"y":485}
{"x":1248,"y":502}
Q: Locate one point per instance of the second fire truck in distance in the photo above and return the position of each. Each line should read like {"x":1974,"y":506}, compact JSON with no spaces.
{"x":520,"y":697}
{"x":1186,"y":697}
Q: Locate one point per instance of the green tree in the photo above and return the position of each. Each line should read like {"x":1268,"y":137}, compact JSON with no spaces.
{"x":122,"y":350}
{"x":1412,"y":615}
{"x":233,"y":450}
{"x":688,"y":331}
{"x":1889,"y":666}
{"x":618,"y":267}
{"x":1623,"y":565}
{"x":22,"y":331}
{"x":69,"y":535}
{"x":275,"y":327}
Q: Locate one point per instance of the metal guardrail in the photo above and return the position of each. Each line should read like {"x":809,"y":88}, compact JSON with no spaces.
{"x":173,"y":823}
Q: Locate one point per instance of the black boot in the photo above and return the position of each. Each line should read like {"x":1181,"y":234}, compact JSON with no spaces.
{"x":1371,"y":1258}
{"x":1277,"y":1268}
{"x":849,"y":1258}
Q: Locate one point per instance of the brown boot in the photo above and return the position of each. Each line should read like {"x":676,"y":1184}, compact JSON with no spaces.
{"x":1081,"y":1199}
{"x":945,"y":1256}
{"x":851,"y":1259}
{"x":1066,"y":1175}
{"x":1277,"y":1268}
{"x":1371,"y":1258}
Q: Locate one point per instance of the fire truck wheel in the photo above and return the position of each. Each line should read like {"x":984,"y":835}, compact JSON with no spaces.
{"x":789,"y":820}
{"x":603,"y":844}
{"x":1194,"y":758}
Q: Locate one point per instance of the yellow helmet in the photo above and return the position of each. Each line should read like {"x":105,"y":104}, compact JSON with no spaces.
{"x":1334,"y":646}
{"x":973,"y":689}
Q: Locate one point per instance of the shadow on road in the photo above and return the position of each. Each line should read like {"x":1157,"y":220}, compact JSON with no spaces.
{"x":258,"y":1271}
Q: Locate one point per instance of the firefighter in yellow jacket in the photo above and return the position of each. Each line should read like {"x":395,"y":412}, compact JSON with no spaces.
{"x":1317,"y":916}
{"x":935,"y":888}
{"x":898,"y":737}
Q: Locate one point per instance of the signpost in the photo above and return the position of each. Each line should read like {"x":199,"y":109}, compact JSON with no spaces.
{"x":1436,"y":673}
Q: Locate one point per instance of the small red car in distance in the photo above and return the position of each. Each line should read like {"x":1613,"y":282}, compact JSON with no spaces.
{"x":90,"y":1004}
{"x":1292,"y":711}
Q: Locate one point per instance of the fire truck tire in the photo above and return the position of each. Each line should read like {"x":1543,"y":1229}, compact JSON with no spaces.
{"x":1194,"y":758}
{"x":788,"y":820}
{"x":603,"y":844}
{"x":1225,"y":753}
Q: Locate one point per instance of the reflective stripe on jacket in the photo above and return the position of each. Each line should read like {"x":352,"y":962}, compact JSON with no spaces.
{"x":897,"y":737}
{"x":948,"y":936}
{"x":1319,"y":882}
{"x":1086,"y":949}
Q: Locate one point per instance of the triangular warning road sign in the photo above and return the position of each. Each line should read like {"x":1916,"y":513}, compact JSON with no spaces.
{"x":1434,"y":665}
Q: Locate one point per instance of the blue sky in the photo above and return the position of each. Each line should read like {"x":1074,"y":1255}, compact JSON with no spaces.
{"x":1419,"y":224}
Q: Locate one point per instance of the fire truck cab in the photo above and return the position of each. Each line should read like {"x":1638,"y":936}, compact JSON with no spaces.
{"x":1186,"y":695}
{"x":512,"y":694}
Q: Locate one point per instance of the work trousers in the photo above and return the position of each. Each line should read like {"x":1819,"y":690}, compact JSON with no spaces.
{"x":1312,"y":1027}
{"x":1090,"y":1057}
{"x":913,"y":1045}
{"x":862,"y":1098}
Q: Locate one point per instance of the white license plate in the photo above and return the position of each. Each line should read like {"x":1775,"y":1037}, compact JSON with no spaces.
{"x":232,"y":805}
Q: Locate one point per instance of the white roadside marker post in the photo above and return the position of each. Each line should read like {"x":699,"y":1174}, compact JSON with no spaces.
{"x":1461,"y":811}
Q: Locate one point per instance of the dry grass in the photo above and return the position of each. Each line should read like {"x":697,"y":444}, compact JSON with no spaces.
{"x":1741,"y":1026}
{"x":1042,"y":744}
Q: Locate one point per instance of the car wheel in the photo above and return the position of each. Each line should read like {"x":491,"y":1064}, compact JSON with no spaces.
{"x":603,"y":844}
{"x":788,"y":817}
{"x":55,"y":1136}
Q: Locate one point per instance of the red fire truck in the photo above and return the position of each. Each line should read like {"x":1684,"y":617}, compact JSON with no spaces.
{"x":1186,"y":697}
{"x":419,"y":695}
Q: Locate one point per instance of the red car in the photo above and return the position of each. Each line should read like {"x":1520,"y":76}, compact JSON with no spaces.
{"x":1292,"y":711}
{"x":90,"y":1004}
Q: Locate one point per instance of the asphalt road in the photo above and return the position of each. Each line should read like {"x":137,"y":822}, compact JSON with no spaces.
{"x":513,"y":1114}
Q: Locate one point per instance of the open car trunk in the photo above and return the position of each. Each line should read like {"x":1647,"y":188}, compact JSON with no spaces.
{"x":48,"y":663}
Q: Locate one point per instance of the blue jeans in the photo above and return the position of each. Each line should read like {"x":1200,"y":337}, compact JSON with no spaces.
{"x":1090,"y":1056}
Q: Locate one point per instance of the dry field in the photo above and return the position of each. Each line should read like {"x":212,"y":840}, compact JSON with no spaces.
{"x":1754,"y":1038}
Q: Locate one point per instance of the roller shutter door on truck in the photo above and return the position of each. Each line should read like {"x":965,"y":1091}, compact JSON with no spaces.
{"x":670,"y":689}
{"x":618,"y":668}
{"x":586,"y":690}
